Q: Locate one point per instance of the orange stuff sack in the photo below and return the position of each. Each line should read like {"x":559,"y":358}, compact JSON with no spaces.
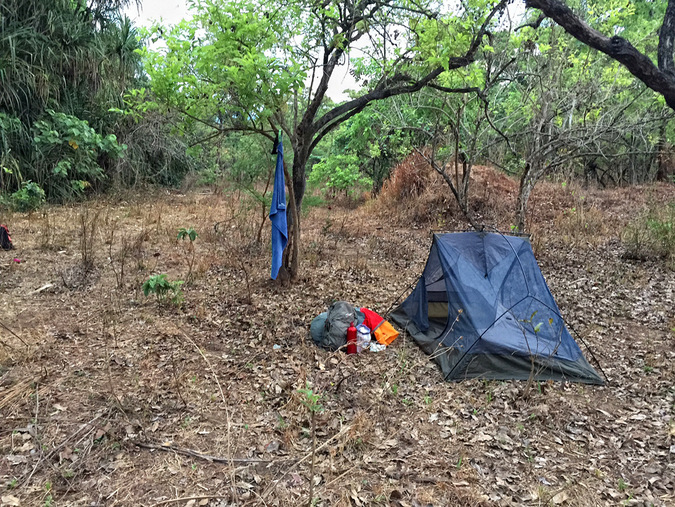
{"x":385,"y":333}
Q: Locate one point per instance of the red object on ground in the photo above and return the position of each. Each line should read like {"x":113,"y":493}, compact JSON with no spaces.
{"x":372,"y":320}
{"x":351,"y":339}
{"x":381,"y":329}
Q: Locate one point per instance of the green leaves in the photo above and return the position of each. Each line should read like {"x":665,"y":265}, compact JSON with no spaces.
{"x":190,"y":233}
{"x":29,"y":197}
{"x":310,"y":399}
{"x":231,"y":60}
{"x":160,"y":286}
{"x":63,"y":67}
{"x":71,"y":149}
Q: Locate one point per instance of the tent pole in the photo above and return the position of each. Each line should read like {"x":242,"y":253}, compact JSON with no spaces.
{"x":386,"y":314}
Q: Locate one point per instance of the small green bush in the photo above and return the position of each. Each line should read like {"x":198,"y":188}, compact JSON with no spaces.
{"x":339,"y":174}
{"x":160,"y":286}
{"x":28,"y":198}
{"x":311,"y":201}
{"x":190,"y":233}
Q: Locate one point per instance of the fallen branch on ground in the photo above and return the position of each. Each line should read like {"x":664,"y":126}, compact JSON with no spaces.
{"x":89,"y":424}
{"x":195,"y":454}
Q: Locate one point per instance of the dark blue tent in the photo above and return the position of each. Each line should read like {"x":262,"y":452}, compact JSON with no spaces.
{"x":482,"y":309}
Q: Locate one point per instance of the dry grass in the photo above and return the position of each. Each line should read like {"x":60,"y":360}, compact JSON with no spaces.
{"x":408,"y":179}
{"x":392,"y":432}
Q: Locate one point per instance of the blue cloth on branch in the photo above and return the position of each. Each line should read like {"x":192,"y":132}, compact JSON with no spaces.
{"x":278,"y":214}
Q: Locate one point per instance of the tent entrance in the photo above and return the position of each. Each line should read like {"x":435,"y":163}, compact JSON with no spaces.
{"x":437,"y":297}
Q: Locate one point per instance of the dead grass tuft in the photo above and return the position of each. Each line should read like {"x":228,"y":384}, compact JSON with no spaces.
{"x":581,"y":224}
{"x":408,"y":179}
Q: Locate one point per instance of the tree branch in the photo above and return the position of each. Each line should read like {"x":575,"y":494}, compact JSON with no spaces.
{"x":534,"y":24}
{"x":661,"y":80}
{"x":393,"y":86}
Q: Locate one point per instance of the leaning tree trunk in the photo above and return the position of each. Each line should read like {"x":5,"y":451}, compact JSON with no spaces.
{"x":527,"y":182}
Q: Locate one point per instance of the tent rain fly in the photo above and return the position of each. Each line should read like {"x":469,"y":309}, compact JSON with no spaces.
{"x":482,"y":309}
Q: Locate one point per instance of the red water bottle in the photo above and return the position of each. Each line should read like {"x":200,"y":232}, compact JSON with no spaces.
{"x":351,"y":339}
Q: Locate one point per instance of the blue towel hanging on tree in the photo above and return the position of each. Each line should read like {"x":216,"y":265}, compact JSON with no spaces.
{"x":278,"y":213}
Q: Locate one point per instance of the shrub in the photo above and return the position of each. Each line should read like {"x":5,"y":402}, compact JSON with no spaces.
{"x":29,"y":197}
{"x":160,"y":286}
{"x":652,"y":234}
{"x":340,"y":174}
{"x":69,"y":151}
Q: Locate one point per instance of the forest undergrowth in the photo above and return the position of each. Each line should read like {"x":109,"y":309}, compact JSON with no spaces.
{"x":216,"y":397}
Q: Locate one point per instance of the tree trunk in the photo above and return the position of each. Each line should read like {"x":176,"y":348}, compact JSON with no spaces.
{"x":526,"y":186}
{"x":661,"y":155}
{"x":300,"y":157}
{"x":292,"y":254}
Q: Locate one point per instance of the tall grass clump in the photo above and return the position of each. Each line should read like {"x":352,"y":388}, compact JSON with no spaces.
{"x":408,"y":179}
{"x":652,"y":234}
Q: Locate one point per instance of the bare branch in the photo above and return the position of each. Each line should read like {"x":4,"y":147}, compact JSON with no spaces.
{"x":534,"y":24}
{"x":403,"y":84}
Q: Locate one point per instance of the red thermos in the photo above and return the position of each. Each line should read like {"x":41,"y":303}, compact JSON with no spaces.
{"x":351,"y":339}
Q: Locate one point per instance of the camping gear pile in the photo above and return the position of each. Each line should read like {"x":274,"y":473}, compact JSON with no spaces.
{"x":344,"y":326}
{"x":482,"y":309}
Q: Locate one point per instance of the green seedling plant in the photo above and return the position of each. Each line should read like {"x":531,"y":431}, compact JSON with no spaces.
{"x":164,"y":289}
{"x":311,"y":400}
{"x":190,"y":234}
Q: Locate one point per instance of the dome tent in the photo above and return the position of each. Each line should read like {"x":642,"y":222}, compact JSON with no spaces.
{"x":482,"y":309}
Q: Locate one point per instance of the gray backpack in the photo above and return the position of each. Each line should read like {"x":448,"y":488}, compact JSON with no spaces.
{"x":333,"y":334}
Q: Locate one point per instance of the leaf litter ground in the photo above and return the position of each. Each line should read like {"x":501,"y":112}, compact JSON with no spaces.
{"x":115,"y":399}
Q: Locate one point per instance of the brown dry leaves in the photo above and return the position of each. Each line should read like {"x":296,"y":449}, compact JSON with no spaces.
{"x":108,"y":367}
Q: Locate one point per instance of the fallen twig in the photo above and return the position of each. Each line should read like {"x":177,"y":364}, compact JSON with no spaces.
{"x":2,"y":324}
{"x":187,"y":499}
{"x":195,"y":454}
{"x":62,"y":444}
{"x":307,"y":456}
{"x":222,"y":396}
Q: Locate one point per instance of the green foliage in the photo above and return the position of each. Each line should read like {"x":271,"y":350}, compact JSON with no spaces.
{"x":29,"y":197}
{"x":162,"y":288}
{"x":65,"y":67}
{"x":310,"y":399}
{"x":71,"y":148}
{"x":190,"y":233}
{"x":359,"y":155}
{"x":227,"y":50}
{"x":340,"y":174}
{"x":312,"y":201}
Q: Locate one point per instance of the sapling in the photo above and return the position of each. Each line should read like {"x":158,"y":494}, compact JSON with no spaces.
{"x":191,"y":234}
{"x":311,"y":401}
